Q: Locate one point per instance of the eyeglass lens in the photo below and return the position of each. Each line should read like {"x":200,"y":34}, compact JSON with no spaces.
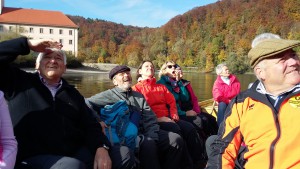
{"x":170,"y":66}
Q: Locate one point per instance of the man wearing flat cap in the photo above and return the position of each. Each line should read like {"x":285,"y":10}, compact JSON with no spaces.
{"x":156,"y":145}
{"x":265,"y":118}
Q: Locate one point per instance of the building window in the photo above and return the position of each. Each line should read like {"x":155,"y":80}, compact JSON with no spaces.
{"x":10,"y":28}
{"x":21,"y":29}
{"x":41,"y":30}
{"x":1,"y":28}
{"x":70,"y":32}
{"x":70,"y":42}
{"x":31,"y":30}
{"x":61,"y":41}
{"x":60,"y":31}
{"x":51,"y":31}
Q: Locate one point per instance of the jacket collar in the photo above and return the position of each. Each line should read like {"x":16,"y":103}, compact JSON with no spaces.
{"x":147,"y":81}
{"x":260,"y":88}
{"x":64,"y":83}
{"x":119,"y":90}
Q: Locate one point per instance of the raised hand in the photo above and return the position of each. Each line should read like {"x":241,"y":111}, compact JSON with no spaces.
{"x":41,"y":45}
{"x":178,"y":75}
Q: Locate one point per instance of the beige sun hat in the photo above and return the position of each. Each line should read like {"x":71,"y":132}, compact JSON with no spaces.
{"x":270,"y":47}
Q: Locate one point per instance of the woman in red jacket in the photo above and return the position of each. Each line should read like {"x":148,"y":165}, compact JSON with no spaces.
{"x":225,"y":88}
{"x":163,"y":104}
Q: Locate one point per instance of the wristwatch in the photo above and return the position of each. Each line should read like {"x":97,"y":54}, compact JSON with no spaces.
{"x":105,"y":146}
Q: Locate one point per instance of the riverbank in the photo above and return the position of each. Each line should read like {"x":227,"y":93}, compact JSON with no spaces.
{"x":98,"y":67}
{"x":104,"y":68}
{"x":83,"y":69}
{"x":89,"y":68}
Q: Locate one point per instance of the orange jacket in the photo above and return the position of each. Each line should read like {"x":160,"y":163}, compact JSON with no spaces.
{"x":272,"y":138}
{"x":158,"y":97}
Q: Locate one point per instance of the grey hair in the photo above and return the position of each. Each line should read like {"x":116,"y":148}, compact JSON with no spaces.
{"x":42,"y":54}
{"x":219,"y":68}
{"x":262,"y":37}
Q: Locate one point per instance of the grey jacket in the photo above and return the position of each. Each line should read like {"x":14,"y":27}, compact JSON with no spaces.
{"x":148,"y":123}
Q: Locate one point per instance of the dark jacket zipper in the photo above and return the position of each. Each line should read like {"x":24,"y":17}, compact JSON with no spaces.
{"x":272,"y":148}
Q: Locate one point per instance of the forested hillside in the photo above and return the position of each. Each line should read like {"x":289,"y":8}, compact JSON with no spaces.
{"x":202,"y":37}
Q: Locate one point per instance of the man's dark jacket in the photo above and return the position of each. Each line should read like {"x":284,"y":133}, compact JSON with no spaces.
{"x":44,"y":124}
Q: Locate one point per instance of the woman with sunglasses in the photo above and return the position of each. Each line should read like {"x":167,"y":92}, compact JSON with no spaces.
{"x":163,"y":104}
{"x":171,"y":76}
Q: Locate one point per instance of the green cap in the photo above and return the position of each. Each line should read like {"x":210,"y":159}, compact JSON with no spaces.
{"x":270,"y":47}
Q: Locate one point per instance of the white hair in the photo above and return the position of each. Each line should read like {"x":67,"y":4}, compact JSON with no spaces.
{"x":42,"y":54}
{"x":262,"y":37}
{"x":219,"y":68}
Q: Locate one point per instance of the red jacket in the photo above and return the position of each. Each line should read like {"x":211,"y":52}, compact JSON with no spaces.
{"x":158,"y":97}
{"x":223,"y":92}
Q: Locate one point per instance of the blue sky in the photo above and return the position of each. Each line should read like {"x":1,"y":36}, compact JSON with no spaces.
{"x":150,"y":13}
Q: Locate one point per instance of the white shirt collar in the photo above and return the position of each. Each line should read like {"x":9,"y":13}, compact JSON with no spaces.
{"x":53,"y":87}
{"x":261,"y":89}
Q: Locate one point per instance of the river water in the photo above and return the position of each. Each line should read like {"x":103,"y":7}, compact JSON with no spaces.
{"x":91,"y":83}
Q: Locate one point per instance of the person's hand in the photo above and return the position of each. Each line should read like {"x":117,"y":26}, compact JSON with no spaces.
{"x":175,"y":117}
{"x":178,"y":75}
{"x":102,"y":159}
{"x":191,"y":113}
{"x":103,"y":126}
{"x":165,"y":119}
{"x":41,"y":45}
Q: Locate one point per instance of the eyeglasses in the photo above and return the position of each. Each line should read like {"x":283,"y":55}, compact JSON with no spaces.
{"x":170,"y":66}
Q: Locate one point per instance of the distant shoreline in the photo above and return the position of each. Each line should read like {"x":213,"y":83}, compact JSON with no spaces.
{"x":74,"y":70}
{"x":105,"y":68}
{"x":84,"y":70}
{"x":87,"y":68}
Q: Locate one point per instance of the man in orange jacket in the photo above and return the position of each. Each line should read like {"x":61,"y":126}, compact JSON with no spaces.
{"x":265,"y":118}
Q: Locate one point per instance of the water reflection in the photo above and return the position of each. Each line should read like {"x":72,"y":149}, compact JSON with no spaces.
{"x":91,"y":83}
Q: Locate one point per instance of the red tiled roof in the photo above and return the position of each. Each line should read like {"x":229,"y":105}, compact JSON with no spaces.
{"x":35,"y":17}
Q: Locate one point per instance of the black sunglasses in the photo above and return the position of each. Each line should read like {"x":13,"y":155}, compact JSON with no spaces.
{"x":170,"y":66}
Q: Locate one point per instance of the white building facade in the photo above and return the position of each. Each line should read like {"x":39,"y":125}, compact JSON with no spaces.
{"x":40,"y":24}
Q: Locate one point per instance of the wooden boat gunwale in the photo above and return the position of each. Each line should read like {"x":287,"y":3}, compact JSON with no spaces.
{"x":209,"y":106}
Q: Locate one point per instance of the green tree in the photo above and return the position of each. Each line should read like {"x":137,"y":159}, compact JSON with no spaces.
{"x":238,"y":65}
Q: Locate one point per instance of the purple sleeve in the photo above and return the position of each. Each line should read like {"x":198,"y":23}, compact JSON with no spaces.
{"x":8,"y":142}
